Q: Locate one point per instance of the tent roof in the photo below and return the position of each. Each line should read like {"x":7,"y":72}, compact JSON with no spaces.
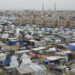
{"x":46,"y":61}
{"x":24,"y":70}
{"x":71,"y":47}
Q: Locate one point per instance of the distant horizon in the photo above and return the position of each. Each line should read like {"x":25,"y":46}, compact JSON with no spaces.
{"x":33,"y":10}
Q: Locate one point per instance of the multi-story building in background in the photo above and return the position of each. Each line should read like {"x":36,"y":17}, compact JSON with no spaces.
{"x":50,"y":18}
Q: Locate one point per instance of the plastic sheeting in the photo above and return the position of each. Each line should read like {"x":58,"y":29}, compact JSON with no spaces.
{"x":5,"y":36}
{"x":2,"y":56}
{"x":24,"y":45}
{"x":38,"y":49}
{"x":37,"y":44}
{"x":14,"y":61}
{"x":51,"y":50}
{"x":24,"y":56}
{"x":46,"y":61}
{"x":24,"y":70}
{"x":71,"y":47}
{"x":12,"y":42}
{"x":38,"y":70}
{"x":25,"y":60}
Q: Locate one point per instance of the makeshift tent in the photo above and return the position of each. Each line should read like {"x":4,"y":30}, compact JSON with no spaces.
{"x":5,"y":36}
{"x":63,"y":53}
{"x":51,"y":49}
{"x":54,"y":58}
{"x":24,"y":70}
{"x":23,"y":51}
{"x":24,"y":45}
{"x":2,"y":56}
{"x":68,"y":29}
{"x":46,"y":31}
{"x":14,"y":61}
{"x":73,"y":44}
{"x":37,"y":44}
{"x":38,"y":70}
{"x":38,"y":49}
{"x":13,"y":42}
{"x":24,"y":56}
{"x":46,"y":61}
{"x":28,"y":36}
{"x":71,"y":47}
{"x":25,"y":60}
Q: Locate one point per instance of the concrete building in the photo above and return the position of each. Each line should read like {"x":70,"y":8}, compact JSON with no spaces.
{"x":50,"y":18}
{"x":72,"y":21}
{"x":40,"y":20}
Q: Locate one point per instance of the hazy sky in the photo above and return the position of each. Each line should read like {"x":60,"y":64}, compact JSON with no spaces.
{"x":36,"y":4}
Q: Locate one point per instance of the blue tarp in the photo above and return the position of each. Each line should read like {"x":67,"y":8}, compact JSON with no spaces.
{"x":68,"y":29}
{"x":12,"y":42}
{"x":46,"y":31}
{"x":23,"y":45}
{"x":6,"y":62}
{"x":71,"y":47}
{"x":46,"y":61}
{"x":1,"y":63}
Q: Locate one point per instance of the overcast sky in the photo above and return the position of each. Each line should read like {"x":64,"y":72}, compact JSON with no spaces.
{"x":36,"y":4}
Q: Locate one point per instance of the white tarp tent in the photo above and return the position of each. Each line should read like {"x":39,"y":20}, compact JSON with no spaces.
{"x":73,"y":44}
{"x":51,"y":50}
{"x":2,"y":56}
{"x":5,"y":36}
{"x":38,"y":70}
{"x":38,"y":49}
{"x":25,"y":60}
{"x":14,"y":62}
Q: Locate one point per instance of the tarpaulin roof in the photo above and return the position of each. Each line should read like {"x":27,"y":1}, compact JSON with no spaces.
{"x":71,"y":47}
{"x":45,"y":30}
{"x":68,"y":29}
{"x":24,"y":70}
{"x":46,"y":61}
